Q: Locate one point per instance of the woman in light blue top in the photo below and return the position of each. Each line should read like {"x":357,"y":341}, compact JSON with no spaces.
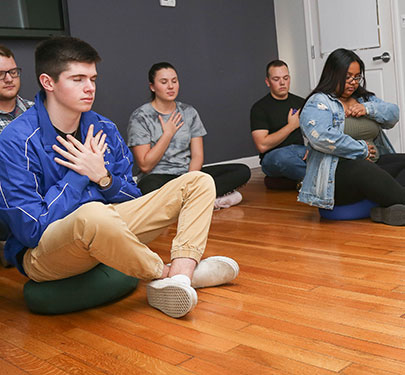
{"x":350,"y":158}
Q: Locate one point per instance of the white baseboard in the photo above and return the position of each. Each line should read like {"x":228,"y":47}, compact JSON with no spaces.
{"x":251,"y":162}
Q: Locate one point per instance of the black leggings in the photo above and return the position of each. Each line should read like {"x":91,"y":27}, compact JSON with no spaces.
{"x":382,"y":182}
{"x":227,"y":178}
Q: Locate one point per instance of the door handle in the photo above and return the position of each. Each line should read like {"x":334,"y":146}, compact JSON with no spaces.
{"x":384,"y":57}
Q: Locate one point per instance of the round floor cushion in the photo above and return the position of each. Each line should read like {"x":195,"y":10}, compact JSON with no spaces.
{"x":100,"y":285}
{"x":358,"y":210}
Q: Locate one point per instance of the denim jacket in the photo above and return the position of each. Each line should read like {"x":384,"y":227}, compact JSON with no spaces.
{"x":322,"y":122}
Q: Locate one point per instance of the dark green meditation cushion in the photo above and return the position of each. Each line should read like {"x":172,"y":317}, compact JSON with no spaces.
{"x":100,"y":285}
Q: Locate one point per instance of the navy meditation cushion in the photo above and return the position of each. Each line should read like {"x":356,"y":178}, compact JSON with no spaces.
{"x":354,"y":211}
{"x":100,"y":285}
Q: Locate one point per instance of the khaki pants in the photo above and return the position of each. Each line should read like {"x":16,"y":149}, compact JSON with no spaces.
{"x":116,"y":234}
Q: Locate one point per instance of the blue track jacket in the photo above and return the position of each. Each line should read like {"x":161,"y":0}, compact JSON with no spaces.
{"x":35,"y":191}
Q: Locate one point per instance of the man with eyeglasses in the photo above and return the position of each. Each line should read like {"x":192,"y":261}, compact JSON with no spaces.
{"x":11,"y":104}
{"x":274,"y":123}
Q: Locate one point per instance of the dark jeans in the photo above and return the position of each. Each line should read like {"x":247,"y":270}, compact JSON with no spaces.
{"x":382,"y":182}
{"x":227,"y":178}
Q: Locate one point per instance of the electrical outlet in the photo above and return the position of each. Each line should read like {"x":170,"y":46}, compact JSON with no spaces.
{"x":168,"y":3}
{"x":403,"y":20}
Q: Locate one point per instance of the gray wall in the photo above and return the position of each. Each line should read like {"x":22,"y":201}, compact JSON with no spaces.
{"x":219,"y":47}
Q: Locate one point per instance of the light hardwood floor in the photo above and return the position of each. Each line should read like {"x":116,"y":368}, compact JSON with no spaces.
{"x":313,"y":297}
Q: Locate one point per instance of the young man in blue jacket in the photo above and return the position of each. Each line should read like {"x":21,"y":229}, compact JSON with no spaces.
{"x":68,"y":197}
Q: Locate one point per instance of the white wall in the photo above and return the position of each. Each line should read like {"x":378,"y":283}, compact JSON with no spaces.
{"x":292,"y":45}
{"x":401,"y":12}
{"x":399,"y":40}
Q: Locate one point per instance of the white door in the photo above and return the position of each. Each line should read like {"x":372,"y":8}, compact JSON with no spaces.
{"x":364,"y":26}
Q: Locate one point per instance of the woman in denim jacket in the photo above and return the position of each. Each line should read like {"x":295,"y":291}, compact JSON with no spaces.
{"x":350,"y":158}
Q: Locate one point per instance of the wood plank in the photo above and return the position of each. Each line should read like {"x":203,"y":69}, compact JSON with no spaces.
{"x":366,"y":370}
{"x":281,"y":363}
{"x":125,"y":355}
{"x":26,"y":342}
{"x":72,"y":366}
{"x":183,"y":328}
{"x":220,"y":333}
{"x":236,"y":363}
{"x":26,"y":361}
{"x":304,"y":320}
{"x":201,"y":367}
{"x":103,"y":329}
{"x":101,"y":361}
{"x":320,"y":346}
{"x":9,"y":369}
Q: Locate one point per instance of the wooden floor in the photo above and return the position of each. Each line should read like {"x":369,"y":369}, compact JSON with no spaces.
{"x":313,"y":297}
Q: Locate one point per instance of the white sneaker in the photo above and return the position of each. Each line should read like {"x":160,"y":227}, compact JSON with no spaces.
{"x":214,"y":271}
{"x":228,"y":200}
{"x":172,"y":297}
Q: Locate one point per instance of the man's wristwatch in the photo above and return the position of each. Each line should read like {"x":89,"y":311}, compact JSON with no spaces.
{"x":105,"y":181}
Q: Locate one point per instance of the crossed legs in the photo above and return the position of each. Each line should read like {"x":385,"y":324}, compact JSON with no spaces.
{"x":285,"y":162}
{"x":116,"y":234}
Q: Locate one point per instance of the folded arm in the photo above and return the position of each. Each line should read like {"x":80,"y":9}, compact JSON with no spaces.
{"x":265,"y":141}
{"x":321,"y":128}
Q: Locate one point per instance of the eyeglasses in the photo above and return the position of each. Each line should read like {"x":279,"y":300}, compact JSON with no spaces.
{"x":14,"y":73}
{"x":357,"y":79}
